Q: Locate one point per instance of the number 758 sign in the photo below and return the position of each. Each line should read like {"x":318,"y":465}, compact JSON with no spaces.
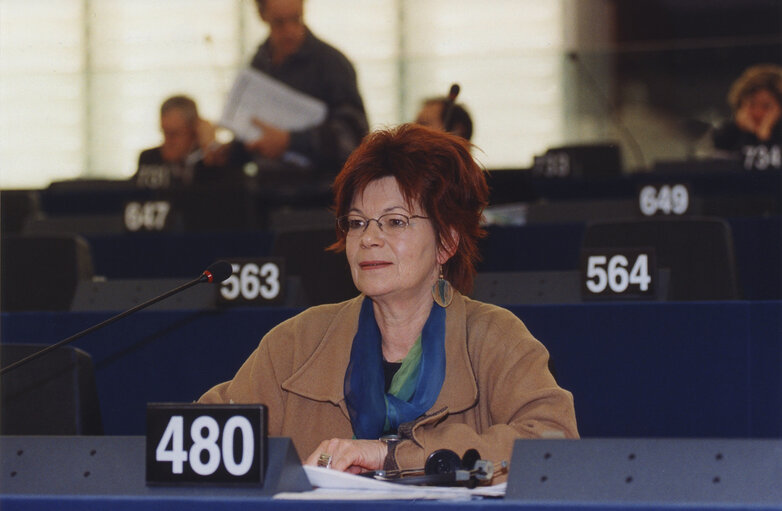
{"x":618,"y":273}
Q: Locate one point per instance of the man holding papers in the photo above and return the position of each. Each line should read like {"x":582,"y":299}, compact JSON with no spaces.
{"x":293,"y":56}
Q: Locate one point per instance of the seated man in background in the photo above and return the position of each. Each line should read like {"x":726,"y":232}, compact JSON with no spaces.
{"x":441,"y":114}
{"x":186,"y":140}
{"x":755,"y":131}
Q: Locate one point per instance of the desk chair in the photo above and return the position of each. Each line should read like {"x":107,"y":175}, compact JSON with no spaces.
{"x":698,"y":251}
{"x":41,"y":272}
{"x":54,"y":394}
{"x":17,"y":207}
{"x":324,"y":276}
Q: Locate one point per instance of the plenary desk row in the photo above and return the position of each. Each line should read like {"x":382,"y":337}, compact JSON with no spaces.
{"x":704,"y":179}
{"x":105,"y":472}
{"x":250,"y":204}
{"x":534,"y":247}
{"x":689,"y":369}
{"x":252,"y":198}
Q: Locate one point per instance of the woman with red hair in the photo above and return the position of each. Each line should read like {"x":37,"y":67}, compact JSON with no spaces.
{"x":411,"y":365}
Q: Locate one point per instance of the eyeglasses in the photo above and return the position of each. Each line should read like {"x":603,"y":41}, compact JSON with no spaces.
{"x":390,"y":223}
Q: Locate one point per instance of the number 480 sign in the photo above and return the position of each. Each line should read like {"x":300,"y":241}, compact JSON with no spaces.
{"x":618,"y":273}
{"x":190,"y":443}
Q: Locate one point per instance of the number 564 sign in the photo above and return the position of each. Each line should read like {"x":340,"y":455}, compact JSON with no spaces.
{"x":618,"y":273}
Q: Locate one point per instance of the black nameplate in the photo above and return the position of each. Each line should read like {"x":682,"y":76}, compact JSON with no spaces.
{"x":206,"y":444}
{"x":628,"y":273}
{"x":145,"y":216}
{"x":664,"y":199}
{"x":552,"y":164}
{"x":154,"y":177}
{"x":762,"y":157}
{"x":254,"y":282}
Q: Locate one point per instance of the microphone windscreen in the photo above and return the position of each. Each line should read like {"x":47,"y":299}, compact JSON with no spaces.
{"x":218,"y":271}
{"x":453,"y":92}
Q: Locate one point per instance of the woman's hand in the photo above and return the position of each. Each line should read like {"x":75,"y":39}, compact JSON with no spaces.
{"x":354,"y":456}
{"x":744,"y":119}
{"x":205,"y":133}
{"x":760,"y":128}
{"x":768,"y":122}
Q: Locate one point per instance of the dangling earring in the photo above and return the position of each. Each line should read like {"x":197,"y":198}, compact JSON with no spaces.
{"x":442,"y":291}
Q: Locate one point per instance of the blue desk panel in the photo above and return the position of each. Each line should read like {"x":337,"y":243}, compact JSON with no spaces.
{"x":705,"y":179}
{"x":106,"y":472}
{"x":225,"y":503}
{"x":635,"y":369}
{"x":171,"y":255}
{"x":532,"y":247}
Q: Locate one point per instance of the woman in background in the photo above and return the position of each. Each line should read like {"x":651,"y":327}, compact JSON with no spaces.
{"x":755,"y":131}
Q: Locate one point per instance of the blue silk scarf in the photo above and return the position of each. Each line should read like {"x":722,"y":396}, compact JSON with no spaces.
{"x":372,"y":411}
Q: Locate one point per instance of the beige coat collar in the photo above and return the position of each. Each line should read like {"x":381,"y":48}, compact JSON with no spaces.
{"x":321,"y":377}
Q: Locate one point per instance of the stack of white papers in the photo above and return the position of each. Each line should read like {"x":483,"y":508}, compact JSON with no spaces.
{"x":335,"y":485}
{"x":256,"y":95}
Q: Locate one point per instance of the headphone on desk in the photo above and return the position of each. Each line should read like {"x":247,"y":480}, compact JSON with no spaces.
{"x":444,"y":467}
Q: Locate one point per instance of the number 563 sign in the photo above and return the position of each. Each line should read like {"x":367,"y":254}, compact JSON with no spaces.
{"x":618,"y":273}
{"x":253,"y":282}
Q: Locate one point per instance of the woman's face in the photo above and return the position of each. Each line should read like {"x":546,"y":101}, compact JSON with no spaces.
{"x":386,"y":264}
{"x":760,"y":104}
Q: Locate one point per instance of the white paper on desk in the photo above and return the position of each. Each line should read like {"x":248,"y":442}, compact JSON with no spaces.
{"x":257,"y":95}
{"x":336,"y":485}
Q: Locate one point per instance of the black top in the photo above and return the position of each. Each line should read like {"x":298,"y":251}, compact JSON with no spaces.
{"x":756,"y":154}
{"x":389,"y":370}
{"x":156,"y":173}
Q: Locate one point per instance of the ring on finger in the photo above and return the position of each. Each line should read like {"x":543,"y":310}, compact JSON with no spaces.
{"x":324,"y":460}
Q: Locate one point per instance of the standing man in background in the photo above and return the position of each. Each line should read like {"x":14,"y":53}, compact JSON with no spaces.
{"x":295,"y":57}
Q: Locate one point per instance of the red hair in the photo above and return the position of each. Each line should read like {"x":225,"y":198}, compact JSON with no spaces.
{"x":433,"y":169}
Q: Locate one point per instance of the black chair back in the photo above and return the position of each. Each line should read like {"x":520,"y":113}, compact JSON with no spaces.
{"x":41,"y":272}
{"x":325,"y":275}
{"x":698,"y":250}
{"x":54,"y":394}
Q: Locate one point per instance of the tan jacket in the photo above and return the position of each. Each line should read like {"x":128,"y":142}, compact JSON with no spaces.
{"x":497,"y":384}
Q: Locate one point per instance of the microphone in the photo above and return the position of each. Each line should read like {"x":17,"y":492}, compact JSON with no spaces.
{"x":635,"y":148}
{"x":216,"y":272}
{"x":448,"y":107}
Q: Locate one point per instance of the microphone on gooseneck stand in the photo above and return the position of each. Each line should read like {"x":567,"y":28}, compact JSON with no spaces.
{"x":216,"y":272}
{"x":448,"y":107}
{"x":610,"y":106}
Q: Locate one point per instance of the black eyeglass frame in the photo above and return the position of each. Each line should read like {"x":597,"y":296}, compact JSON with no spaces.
{"x":352,"y":232}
